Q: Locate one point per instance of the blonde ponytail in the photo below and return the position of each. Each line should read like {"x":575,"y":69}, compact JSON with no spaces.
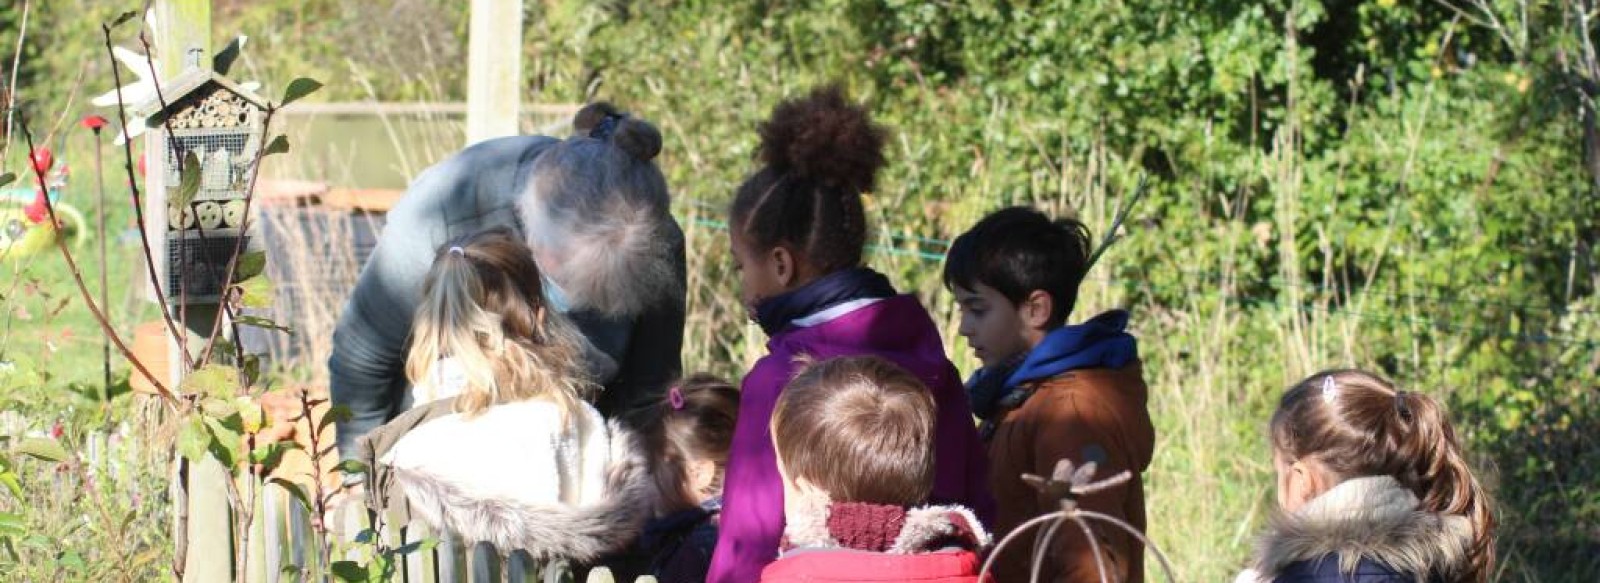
{"x":483,"y":306}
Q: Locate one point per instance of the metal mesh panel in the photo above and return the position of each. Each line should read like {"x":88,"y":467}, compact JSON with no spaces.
{"x":314,"y":257}
{"x":196,"y":265}
{"x":224,"y":161}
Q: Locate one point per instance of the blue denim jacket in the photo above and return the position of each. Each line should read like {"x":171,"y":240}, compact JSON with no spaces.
{"x":633,"y":358}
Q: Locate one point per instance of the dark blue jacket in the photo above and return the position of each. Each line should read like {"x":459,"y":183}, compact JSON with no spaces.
{"x":1326,"y":570}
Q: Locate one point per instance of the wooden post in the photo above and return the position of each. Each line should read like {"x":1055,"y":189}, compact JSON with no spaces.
{"x":494,"y":69}
{"x":181,"y":35}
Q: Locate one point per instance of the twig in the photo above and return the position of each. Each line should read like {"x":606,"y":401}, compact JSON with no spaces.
{"x":138,"y":212}
{"x":1110,"y":235}
{"x":244,"y":226}
{"x":77,"y":276}
{"x":179,"y":154}
{"x":16,"y":63}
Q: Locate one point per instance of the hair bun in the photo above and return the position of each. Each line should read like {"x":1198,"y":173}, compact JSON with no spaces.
{"x":591,"y":115}
{"x":638,"y":138}
{"x":825,"y":138}
{"x":635,"y":136}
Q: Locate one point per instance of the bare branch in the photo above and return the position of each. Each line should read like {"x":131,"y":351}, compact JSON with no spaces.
{"x":138,"y":207}
{"x":77,"y":275}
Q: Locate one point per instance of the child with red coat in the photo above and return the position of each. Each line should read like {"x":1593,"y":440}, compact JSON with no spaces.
{"x":854,"y":438}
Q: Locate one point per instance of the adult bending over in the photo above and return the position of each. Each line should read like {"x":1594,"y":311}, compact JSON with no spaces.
{"x":594,"y":209}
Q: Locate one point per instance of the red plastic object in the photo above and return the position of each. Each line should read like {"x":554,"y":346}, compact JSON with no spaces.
{"x":43,"y":159}
{"x":36,"y":211}
{"x":94,"y":122}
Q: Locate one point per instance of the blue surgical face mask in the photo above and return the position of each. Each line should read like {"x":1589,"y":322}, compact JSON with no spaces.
{"x":554,"y":296}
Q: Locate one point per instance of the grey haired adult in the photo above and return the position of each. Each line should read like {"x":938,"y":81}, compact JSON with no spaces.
{"x":595,"y":209}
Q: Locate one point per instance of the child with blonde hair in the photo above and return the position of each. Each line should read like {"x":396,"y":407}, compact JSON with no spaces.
{"x":502,"y":447}
{"x":1373,"y":487}
{"x":854,"y":438}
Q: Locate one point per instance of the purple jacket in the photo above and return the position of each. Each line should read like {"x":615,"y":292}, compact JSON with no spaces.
{"x":898,"y":329}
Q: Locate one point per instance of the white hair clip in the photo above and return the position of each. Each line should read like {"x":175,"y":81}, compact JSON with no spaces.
{"x":1329,"y":389}
{"x":458,"y":251}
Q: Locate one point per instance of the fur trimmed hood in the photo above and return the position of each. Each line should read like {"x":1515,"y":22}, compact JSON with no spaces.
{"x":1370,"y":518}
{"x":545,"y":531}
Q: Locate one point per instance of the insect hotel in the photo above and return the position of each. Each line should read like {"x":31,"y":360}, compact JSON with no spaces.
{"x":221,"y":125}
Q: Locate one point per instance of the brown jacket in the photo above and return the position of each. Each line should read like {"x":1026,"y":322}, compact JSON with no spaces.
{"x":1097,"y":415}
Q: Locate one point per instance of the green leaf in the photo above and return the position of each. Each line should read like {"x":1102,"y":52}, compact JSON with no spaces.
{"x":12,"y":524}
{"x":71,"y":559}
{"x":193,"y":439}
{"x":300,"y":88}
{"x":335,"y":414}
{"x":224,"y":58}
{"x":278,"y":145}
{"x":124,"y":17}
{"x":270,"y":455}
{"x":217,"y":407}
{"x":215,"y":380}
{"x":296,"y":491}
{"x":42,"y":448}
{"x":7,"y":178}
{"x":350,"y":571}
{"x":252,"y":368}
{"x":264,"y":323}
{"x":289,"y":573}
{"x":257,"y":292}
{"x":227,"y":442}
{"x":188,"y":180}
{"x":251,"y":264}
{"x":351,"y":467}
{"x":9,"y":480}
{"x":222,"y":349}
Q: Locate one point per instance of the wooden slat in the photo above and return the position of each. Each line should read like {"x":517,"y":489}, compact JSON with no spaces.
{"x":362,"y":199}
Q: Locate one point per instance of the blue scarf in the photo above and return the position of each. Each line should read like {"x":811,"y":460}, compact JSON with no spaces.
{"x":1101,"y":342}
{"x":776,"y":313}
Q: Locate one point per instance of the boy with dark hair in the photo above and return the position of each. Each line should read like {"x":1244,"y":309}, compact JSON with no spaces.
{"x":1048,"y":390}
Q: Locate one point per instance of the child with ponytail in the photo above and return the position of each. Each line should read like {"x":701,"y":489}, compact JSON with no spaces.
{"x":797,"y":230}
{"x":502,"y":447}
{"x":1372,"y":487}
{"x":688,"y":441}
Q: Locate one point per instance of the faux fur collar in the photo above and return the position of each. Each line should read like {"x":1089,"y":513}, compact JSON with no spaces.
{"x":1373,"y":518}
{"x":921,"y":530}
{"x":546,"y":531}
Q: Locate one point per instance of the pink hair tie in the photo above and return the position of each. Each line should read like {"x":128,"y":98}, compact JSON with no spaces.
{"x":675,"y":397}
